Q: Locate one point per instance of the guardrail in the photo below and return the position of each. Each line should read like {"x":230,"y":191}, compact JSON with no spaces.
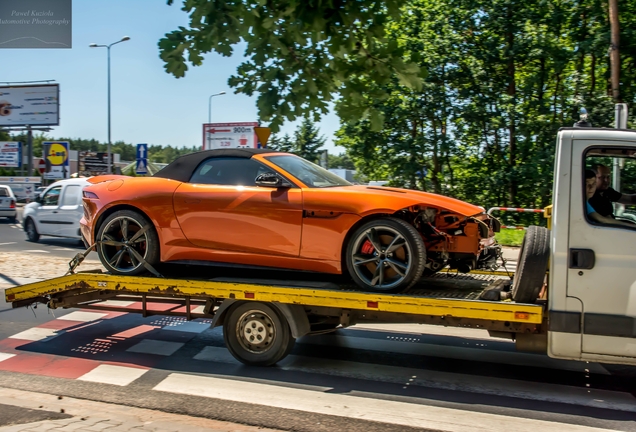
{"x":514,"y":209}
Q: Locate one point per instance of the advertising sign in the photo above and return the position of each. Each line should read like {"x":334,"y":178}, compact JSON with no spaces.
{"x":93,"y":163}
{"x":36,"y":105}
{"x":56,"y":158}
{"x":10,"y":154}
{"x":229,"y":135}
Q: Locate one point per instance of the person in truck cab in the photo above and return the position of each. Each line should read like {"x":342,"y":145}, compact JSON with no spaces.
{"x":590,"y":192}
{"x":605,"y":195}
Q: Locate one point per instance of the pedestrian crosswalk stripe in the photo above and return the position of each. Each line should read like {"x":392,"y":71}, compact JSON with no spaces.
{"x":112,"y":374}
{"x":356,"y":407}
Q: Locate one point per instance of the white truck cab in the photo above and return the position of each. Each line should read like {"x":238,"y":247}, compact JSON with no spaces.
{"x":592,"y":275}
{"x":57,"y":211}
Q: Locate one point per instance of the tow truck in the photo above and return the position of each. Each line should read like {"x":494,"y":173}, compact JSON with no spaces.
{"x":573,"y":295}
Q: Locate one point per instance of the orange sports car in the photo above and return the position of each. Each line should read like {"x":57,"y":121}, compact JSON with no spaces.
{"x":259,"y":207}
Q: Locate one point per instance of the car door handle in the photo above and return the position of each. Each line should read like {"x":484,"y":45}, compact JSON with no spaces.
{"x":582,"y":259}
{"x":54,"y":211}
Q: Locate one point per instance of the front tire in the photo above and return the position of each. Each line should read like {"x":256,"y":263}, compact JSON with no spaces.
{"x":126,"y":238}
{"x":386,"y":255}
{"x":256,"y":334}
{"x":31,"y":231}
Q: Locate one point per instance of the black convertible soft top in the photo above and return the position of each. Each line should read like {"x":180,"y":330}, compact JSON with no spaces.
{"x":181,"y":168}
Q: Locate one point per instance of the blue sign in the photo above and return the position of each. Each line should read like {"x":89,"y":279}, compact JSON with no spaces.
{"x":142,"y":159}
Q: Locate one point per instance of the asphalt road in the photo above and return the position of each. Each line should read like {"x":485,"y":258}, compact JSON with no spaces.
{"x":13,"y":239}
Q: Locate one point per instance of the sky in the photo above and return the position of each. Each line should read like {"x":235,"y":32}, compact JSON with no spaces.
{"x":148,"y":105}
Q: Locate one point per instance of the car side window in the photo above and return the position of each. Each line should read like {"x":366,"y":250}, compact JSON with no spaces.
{"x":71,"y":196}
{"x":52,"y":196}
{"x":228,"y":171}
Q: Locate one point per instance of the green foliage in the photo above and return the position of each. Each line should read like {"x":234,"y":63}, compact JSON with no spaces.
{"x":502,"y":78}
{"x":340,"y":161}
{"x":306,"y":143}
{"x":510,"y":237}
{"x":302,"y":54}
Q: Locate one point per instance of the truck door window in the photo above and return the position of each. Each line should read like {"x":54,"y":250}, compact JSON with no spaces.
{"x":52,"y":196}
{"x":615,"y":187}
{"x":71,"y":195}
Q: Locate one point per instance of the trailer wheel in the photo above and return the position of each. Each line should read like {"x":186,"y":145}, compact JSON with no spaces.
{"x":532,"y":265}
{"x":256,"y":334}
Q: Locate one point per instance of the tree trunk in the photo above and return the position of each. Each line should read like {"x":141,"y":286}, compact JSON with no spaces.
{"x":593,"y":74}
{"x":512,"y":91}
{"x":615,"y":59}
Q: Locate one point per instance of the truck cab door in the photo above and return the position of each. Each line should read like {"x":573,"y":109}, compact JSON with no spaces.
{"x":601,"y":259}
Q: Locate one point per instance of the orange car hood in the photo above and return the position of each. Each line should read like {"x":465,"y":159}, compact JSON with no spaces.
{"x":397,"y":199}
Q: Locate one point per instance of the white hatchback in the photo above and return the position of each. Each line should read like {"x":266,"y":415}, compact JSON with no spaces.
{"x":57,"y":211}
{"x":7,"y":204}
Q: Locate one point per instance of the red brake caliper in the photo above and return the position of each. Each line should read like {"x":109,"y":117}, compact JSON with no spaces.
{"x":367,"y":248}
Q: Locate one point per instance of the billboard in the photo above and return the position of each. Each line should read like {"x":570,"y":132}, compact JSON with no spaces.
{"x":56,"y":158}
{"x":36,"y":105}
{"x":92,"y":163}
{"x":229,"y":135}
{"x":10,"y":154}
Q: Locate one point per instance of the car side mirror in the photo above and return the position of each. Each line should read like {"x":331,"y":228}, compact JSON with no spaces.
{"x":38,"y":199}
{"x":272,"y":180}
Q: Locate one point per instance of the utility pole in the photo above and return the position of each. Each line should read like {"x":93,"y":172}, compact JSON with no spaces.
{"x":30,"y":147}
{"x":615,"y":59}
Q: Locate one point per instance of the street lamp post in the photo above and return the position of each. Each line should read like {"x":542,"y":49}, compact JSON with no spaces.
{"x":210,"y":105}
{"x":94,"y":45}
{"x":210,"y":111}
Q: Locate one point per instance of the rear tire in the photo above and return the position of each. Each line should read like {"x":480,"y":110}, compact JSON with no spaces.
{"x":122,"y":246}
{"x":256,"y":334}
{"x":31,"y":231}
{"x":532,"y":265}
{"x":13,"y":220}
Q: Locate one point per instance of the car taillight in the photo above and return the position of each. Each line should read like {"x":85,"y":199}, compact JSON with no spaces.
{"x":90,"y":195}
{"x":12,"y":204}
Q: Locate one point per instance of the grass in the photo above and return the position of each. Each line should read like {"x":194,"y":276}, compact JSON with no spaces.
{"x":510,"y":237}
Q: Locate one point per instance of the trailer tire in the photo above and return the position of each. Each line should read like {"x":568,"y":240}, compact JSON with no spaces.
{"x":257,"y":334}
{"x":532,"y":265}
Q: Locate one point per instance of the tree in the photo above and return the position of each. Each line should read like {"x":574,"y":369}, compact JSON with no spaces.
{"x":340,"y":161}
{"x":283,"y":144}
{"x":301,"y":53}
{"x":307,"y":141}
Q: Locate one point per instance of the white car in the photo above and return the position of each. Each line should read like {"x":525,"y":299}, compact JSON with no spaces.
{"x":57,"y":211}
{"x":7,"y":204}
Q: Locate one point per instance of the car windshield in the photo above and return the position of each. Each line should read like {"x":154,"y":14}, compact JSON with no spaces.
{"x":309,"y":173}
